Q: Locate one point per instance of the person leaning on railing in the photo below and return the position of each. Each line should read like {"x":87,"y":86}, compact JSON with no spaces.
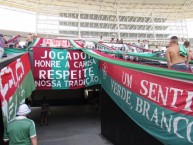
{"x":176,"y":55}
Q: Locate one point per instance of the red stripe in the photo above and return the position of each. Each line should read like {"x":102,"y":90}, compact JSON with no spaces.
{"x":79,"y":43}
{"x":116,"y":73}
{"x":39,"y":42}
{"x":12,"y":39}
{"x":108,"y":56}
{"x":38,"y":53}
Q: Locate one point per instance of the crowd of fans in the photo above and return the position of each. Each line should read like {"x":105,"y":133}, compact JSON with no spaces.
{"x":172,"y":53}
{"x":117,"y":41}
{"x":14,"y":42}
{"x":138,"y":47}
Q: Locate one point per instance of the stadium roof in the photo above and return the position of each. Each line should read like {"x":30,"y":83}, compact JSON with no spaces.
{"x":180,"y":9}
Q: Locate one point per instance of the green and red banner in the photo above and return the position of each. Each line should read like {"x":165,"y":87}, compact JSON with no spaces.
{"x":64,"y":69}
{"x":161,"y":106}
{"x":159,"y":100}
{"x":16,"y":84}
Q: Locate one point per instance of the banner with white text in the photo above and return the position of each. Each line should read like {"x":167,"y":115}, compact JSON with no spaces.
{"x":161,"y":106}
{"x":64,"y":69}
{"x":16,"y":84}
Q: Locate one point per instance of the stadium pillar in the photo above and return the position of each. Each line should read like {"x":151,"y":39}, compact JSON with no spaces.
{"x":79,"y":35}
{"x":153,"y":27}
{"x":36,"y":8}
{"x":117,"y":15}
{"x":186,"y":30}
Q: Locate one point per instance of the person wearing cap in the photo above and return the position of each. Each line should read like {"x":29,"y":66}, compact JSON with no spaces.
{"x":21,"y":131}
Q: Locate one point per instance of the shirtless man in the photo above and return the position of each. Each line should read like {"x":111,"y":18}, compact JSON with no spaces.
{"x":174,"y":60}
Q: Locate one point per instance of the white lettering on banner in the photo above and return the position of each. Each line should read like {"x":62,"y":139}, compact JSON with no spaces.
{"x":78,"y":56}
{"x":87,"y":81}
{"x":120,"y":91}
{"x":48,"y":83}
{"x":42,"y":74}
{"x":189,"y":102}
{"x":53,"y":55}
{"x":50,"y":74}
{"x":8,"y":85}
{"x":81,"y":68}
{"x":86,"y":63}
{"x":175,"y":95}
{"x":13,"y":80}
{"x":164,"y":121}
{"x":189,"y":129}
{"x":67,"y":65}
{"x":139,"y":105}
{"x":19,"y":70}
{"x":144,"y":88}
{"x":155,"y":91}
{"x":46,"y":63}
{"x":146,"y":109}
{"x":75,"y":83}
{"x":61,"y":55}
{"x":167,"y":96}
{"x":142,"y":108}
{"x":68,"y":56}
{"x":173,"y":124}
{"x":19,"y":73}
{"x":56,"y":43}
{"x":63,"y":74}
{"x":155,"y":117}
{"x":127,"y":79}
{"x":152,"y":91}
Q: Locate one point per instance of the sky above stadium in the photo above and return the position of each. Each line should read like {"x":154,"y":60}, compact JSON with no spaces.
{"x":15,"y":20}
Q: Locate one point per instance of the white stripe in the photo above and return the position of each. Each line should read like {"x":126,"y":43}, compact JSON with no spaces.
{"x":91,"y":51}
{"x":37,"y":40}
{"x":75,"y":44}
{"x":34,"y":129}
{"x":20,"y":117}
{"x":33,"y":136}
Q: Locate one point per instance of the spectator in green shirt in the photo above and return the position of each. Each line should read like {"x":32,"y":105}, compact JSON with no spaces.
{"x":21,"y":131}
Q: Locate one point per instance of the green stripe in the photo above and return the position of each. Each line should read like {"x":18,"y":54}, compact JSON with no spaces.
{"x":95,"y":68}
{"x":73,"y":46}
{"x":14,"y":50}
{"x":141,"y":55}
{"x":62,"y":68}
{"x":143,"y":68}
{"x":23,"y":92}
